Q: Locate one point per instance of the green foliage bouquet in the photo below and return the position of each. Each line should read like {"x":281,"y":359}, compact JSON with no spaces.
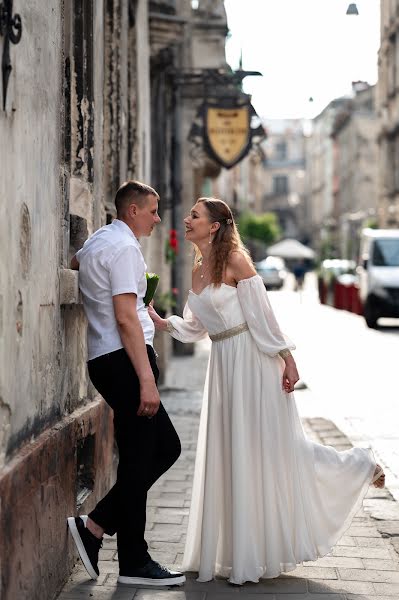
{"x":152,"y":284}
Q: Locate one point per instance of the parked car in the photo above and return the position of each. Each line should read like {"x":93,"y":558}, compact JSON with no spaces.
{"x":273,"y":272}
{"x":379,"y":274}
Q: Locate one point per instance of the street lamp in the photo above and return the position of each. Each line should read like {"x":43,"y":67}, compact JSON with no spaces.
{"x":352,"y":9}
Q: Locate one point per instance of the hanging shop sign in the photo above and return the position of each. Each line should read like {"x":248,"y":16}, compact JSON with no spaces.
{"x":227,"y":133}
{"x":227,"y":129}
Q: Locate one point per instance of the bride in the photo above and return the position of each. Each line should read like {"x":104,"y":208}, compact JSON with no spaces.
{"x":264,"y":498}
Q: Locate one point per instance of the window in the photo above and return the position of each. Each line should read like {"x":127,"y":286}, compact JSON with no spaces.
{"x":386,"y":253}
{"x":280,"y":150}
{"x":280,"y":185}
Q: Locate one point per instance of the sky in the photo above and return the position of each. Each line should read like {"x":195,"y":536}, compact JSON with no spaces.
{"x":304,"y":49}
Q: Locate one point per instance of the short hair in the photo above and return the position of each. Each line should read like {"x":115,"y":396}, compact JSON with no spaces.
{"x":132,"y":192}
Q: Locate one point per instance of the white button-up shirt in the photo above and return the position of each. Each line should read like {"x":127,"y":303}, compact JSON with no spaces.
{"x":111,"y":263}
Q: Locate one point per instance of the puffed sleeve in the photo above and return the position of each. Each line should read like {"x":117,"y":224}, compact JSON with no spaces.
{"x":186,"y":329}
{"x":260,"y":317}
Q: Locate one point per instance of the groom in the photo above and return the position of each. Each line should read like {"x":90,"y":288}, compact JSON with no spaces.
{"x":122,"y":367}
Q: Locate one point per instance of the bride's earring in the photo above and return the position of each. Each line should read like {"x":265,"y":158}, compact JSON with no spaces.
{"x":210,"y":238}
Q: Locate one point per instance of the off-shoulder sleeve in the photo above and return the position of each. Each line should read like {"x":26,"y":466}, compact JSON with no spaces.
{"x":186,"y":329}
{"x":260,"y":317}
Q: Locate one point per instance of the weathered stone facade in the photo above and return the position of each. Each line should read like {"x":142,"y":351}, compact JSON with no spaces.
{"x":91,"y":102}
{"x":388,"y":112}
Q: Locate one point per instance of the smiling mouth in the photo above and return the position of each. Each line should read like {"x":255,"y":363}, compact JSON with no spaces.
{"x":188,"y":230}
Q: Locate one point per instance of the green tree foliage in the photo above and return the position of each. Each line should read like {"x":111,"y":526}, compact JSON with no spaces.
{"x":264,"y":228}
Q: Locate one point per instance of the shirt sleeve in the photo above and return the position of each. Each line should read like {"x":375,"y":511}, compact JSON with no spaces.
{"x":260,"y":317}
{"x":186,"y":329}
{"x":126,"y":269}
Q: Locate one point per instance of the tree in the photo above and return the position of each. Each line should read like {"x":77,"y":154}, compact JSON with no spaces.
{"x":264,"y":227}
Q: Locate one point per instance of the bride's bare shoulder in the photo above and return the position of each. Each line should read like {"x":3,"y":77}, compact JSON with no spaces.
{"x":240,"y":265}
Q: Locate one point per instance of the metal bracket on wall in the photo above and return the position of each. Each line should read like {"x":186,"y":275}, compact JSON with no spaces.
{"x":11,"y":29}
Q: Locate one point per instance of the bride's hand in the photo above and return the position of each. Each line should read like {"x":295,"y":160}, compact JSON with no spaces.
{"x":290,"y":375}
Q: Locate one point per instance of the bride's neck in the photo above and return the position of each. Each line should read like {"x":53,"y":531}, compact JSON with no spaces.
{"x":205,"y":250}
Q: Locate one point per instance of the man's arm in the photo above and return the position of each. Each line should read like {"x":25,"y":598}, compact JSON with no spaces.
{"x":132,"y":336}
{"x":74,"y":263}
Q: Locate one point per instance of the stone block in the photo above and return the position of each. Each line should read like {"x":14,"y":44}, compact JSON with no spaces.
{"x":69,"y":287}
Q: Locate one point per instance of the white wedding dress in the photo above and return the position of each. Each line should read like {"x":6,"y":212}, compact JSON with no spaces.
{"x":265,"y":498}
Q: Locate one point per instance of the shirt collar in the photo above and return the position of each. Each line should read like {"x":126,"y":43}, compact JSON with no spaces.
{"x":123,"y":227}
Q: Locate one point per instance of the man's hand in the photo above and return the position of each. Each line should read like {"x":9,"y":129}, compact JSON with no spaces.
{"x":132,"y":337}
{"x":149,"y":400}
{"x":290,"y":375}
{"x":74,"y":263}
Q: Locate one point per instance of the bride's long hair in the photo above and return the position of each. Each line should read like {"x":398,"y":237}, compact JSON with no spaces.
{"x":225,"y":240}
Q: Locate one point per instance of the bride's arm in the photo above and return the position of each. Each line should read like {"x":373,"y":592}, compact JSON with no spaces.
{"x":187,"y":329}
{"x":260,"y":317}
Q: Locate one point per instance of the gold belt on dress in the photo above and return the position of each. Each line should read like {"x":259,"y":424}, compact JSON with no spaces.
{"x":223,"y":335}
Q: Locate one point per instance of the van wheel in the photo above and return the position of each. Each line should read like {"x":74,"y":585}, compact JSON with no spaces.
{"x":370,"y":317}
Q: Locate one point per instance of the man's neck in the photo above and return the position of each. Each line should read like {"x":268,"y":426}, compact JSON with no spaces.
{"x":131,"y":227}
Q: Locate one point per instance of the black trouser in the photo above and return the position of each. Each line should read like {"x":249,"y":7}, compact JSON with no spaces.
{"x":147,"y":448}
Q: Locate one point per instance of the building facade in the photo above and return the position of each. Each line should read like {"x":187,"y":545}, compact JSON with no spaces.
{"x":91,"y":102}
{"x":284,"y":190}
{"x":320,"y":159}
{"x":388,"y":112}
{"x":355,"y":176}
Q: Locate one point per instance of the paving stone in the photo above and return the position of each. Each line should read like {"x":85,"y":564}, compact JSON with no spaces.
{"x":103,"y":593}
{"x":165,"y":502}
{"x":162,"y":536}
{"x":80,"y":577}
{"x":337,"y":561}
{"x":241,"y":596}
{"x":172,"y":548}
{"x":346,"y":540}
{"x":107,"y":553}
{"x":315,"y":572}
{"x":169,"y":594}
{"x":214,"y":586}
{"x":311,"y":596}
{"x":369,"y":575}
{"x":363,"y":531}
{"x":167,"y":518}
{"x":353,"y":587}
{"x":279,"y":585}
{"x":356,"y":552}
{"x":167,"y":528}
{"x":368,"y":597}
{"x":389,"y":589}
{"x":367,"y":542}
{"x":381,"y":565}
{"x":108,"y":566}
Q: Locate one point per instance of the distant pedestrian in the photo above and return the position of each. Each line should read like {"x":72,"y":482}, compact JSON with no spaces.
{"x":122,"y":367}
{"x":265,"y":497}
{"x":299,"y":270}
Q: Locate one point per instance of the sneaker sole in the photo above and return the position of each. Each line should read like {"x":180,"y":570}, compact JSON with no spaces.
{"x":81,"y":549}
{"x":152,"y":582}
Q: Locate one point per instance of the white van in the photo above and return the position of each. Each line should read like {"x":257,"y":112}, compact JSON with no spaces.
{"x":379,"y":274}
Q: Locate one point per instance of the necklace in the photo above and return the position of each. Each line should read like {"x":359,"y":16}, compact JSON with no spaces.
{"x":203,"y":271}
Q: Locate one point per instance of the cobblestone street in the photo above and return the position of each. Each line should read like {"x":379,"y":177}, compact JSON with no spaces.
{"x":364,"y":565}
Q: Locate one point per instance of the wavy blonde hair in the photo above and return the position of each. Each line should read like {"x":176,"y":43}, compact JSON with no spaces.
{"x":225,"y":241}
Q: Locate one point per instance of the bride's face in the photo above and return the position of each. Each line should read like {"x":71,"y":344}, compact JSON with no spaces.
{"x":198,"y":225}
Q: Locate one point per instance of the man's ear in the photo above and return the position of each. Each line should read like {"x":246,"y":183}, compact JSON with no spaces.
{"x":132,"y":210}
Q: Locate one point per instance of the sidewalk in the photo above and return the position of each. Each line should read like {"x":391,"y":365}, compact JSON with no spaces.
{"x":364,"y":565}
